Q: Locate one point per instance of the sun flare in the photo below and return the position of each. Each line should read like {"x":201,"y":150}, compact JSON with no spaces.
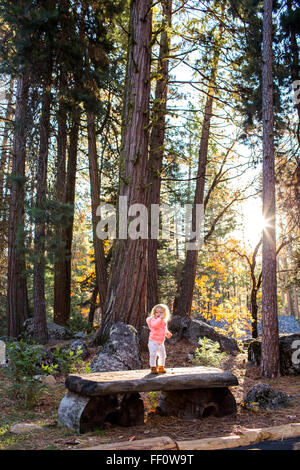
{"x":254,"y":223}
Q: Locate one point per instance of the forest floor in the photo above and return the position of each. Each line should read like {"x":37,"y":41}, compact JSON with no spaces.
{"x":53,"y":436}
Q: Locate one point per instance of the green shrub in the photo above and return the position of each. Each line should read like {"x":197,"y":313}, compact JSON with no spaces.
{"x":27,"y":362}
{"x":23,"y":365}
{"x":65,"y":361}
{"x":208,"y":353}
{"x":78,"y":323}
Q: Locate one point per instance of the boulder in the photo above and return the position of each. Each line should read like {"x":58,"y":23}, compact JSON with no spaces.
{"x":143,"y":338}
{"x":289,"y":352}
{"x":55,"y":331}
{"x":24,"y":428}
{"x":120,"y":352}
{"x":49,"y":380}
{"x":193,"y":329}
{"x":80,"y":335}
{"x":263,"y":397}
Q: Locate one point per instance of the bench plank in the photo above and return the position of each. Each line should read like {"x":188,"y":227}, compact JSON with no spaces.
{"x":129,"y":381}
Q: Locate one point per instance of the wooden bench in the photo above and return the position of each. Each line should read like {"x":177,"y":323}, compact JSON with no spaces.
{"x":187,"y":392}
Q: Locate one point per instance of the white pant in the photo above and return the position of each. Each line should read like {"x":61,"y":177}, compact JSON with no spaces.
{"x":156,"y":349}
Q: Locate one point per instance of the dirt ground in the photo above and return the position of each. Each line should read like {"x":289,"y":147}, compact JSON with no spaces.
{"x":53,"y":436}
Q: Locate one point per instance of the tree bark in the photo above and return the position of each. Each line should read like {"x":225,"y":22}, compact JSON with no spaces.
{"x":40,"y":321}
{"x":70,"y":200}
{"x":294,"y":62}
{"x":4,"y":151}
{"x":61,"y":303}
{"x":16,"y":291}
{"x":270,"y":340}
{"x":127,"y":289}
{"x":93,"y":305}
{"x":156,"y":146}
{"x":100,"y":263}
{"x":296,"y":304}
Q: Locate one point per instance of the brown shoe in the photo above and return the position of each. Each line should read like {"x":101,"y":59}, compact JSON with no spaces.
{"x":154,"y":370}
{"x":161,"y":370}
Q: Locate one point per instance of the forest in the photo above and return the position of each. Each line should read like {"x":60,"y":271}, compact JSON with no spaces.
{"x":171,"y":102}
{"x":149,"y":165}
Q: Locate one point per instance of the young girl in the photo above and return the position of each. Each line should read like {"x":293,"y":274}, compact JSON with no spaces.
{"x":157,"y":322}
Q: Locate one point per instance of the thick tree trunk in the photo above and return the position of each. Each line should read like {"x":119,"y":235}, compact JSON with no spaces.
{"x":100,"y":263}
{"x":270,"y":341}
{"x":127,"y":290}
{"x":16,"y":292}
{"x":156,"y":152}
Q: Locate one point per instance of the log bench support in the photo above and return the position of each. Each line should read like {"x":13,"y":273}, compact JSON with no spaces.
{"x":198,"y":403}
{"x":83,"y":414}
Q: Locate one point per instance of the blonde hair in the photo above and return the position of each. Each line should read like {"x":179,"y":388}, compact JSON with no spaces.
{"x":166,"y":309}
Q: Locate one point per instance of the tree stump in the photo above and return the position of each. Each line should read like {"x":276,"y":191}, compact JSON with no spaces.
{"x":198,"y":403}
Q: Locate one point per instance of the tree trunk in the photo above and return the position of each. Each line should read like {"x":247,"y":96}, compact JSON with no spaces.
{"x":156,"y":146}
{"x":254,"y":310}
{"x":40,"y":322}
{"x":270,"y":341}
{"x":100,"y":264}
{"x":93,"y":305}
{"x":70,"y":200}
{"x":61,"y":303}
{"x":287,"y":287}
{"x":127,"y":290}
{"x":16,"y":291}
{"x":5,"y":153}
{"x":294,"y":61}
{"x":296,"y":304}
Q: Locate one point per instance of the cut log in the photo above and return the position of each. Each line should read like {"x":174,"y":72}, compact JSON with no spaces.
{"x":246,"y":438}
{"x":155,"y":443}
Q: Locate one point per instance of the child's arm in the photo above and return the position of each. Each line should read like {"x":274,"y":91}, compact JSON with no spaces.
{"x":168,"y":333}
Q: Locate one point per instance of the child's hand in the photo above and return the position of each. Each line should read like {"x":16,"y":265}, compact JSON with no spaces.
{"x":168,"y":334}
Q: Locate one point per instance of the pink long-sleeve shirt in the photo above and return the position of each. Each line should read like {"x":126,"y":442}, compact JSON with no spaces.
{"x":158,"y":329}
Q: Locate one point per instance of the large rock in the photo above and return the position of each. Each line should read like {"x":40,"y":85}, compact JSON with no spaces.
{"x":289,"y":352}
{"x":55,"y":331}
{"x":193,"y":329}
{"x":120,"y":352}
{"x":24,"y":428}
{"x":263,"y":397}
{"x":144,"y":338}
